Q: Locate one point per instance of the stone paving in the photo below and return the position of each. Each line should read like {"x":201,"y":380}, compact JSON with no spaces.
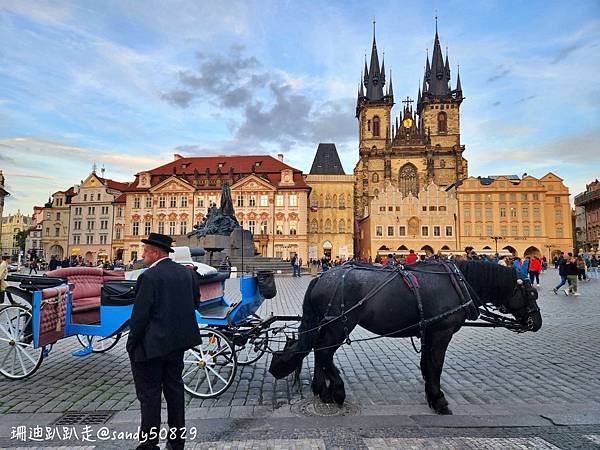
{"x":547,"y":379}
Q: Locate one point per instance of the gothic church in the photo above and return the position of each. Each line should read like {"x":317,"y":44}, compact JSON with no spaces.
{"x":417,"y":147}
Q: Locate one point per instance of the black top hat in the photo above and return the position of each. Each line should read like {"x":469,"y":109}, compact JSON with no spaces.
{"x":161,"y":241}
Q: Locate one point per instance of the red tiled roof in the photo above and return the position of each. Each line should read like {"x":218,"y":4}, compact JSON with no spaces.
{"x":119,"y":186}
{"x":120,"y":199}
{"x":186,"y":168}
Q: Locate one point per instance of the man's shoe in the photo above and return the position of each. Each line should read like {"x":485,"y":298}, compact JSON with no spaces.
{"x":567,"y":292}
{"x":576,"y":293}
{"x":538,"y":285}
{"x":555,"y":291}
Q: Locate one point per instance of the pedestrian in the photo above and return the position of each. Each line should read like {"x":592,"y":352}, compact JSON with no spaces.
{"x":391,"y":261}
{"x":162,"y":326}
{"x":3,"y":275}
{"x":581,"y":269}
{"x":535,"y":267}
{"x":294,"y":264}
{"x":225,"y":265}
{"x":33,"y":266}
{"x":525,"y":268}
{"x":502,"y":261}
{"x":572,"y":272}
{"x":594,"y":267}
{"x":562,"y":272}
{"x":412,"y":257}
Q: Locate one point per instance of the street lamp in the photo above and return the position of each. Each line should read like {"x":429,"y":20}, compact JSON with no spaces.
{"x":496,"y":239}
{"x":549,"y":246}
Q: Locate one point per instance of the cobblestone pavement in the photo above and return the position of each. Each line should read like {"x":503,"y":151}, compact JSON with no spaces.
{"x":547,"y":379}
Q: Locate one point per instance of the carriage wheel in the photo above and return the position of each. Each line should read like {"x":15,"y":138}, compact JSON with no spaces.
{"x":99,"y":344}
{"x":18,"y":357}
{"x":249,"y":350}
{"x":209,"y":368}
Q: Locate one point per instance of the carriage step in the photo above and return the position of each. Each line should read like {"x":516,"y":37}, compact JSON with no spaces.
{"x":85,"y":351}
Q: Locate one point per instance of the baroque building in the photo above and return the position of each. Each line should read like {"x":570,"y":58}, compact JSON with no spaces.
{"x":419,"y":146}
{"x":528,"y":216}
{"x":589,"y":202}
{"x":330,"y":216}
{"x":12,"y":225}
{"x":270,"y":199}
{"x":55,"y":224}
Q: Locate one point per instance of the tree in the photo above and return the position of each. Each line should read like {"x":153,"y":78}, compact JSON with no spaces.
{"x":21,"y":237}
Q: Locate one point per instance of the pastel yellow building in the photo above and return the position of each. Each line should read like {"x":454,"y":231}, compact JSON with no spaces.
{"x":528,"y":216}
{"x":425,"y":223}
{"x":330,"y":216}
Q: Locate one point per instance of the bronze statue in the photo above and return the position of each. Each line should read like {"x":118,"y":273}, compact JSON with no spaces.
{"x":221,"y":220}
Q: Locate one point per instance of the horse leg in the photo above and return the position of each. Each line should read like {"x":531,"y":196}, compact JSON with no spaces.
{"x":330,"y":388}
{"x":432,"y":363}
{"x":336,"y":386}
{"x":319,"y":382}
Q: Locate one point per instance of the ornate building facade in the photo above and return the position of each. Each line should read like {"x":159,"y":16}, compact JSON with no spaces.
{"x":11,"y":226}
{"x":589,"y":201}
{"x":420,"y":146}
{"x":55,"y":224}
{"x":270,"y":199}
{"x":528,"y":215}
{"x":330,"y":216}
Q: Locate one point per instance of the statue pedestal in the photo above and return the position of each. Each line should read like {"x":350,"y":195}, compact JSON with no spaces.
{"x":241,"y":241}
{"x":218,"y":246}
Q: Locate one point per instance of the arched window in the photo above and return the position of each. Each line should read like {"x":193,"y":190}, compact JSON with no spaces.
{"x":328,"y":201}
{"x":321,"y":200}
{"x":342,"y":201}
{"x":375,"y":178}
{"x":442,"y":122}
{"x":409,"y":180}
{"x":328,"y":226}
{"x":334,"y":200}
{"x":313,"y":201}
{"x":314,"y":226}
{"x":376,"y":126}
{"x":342,"y":227}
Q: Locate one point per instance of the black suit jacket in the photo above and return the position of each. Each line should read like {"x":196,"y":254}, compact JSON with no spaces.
{"x":163,"y":318}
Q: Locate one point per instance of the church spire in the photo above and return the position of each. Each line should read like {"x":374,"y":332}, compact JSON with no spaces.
{"x":391,"y":89}
{"x":458,"y":86}
{"x":438,"y":74}
{"x":374,"y":78}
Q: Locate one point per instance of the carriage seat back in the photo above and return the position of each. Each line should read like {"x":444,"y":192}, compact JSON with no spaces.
{"x":52,"y":315}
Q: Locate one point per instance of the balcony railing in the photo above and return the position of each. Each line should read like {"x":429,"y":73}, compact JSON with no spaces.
{"x":587,"y":197}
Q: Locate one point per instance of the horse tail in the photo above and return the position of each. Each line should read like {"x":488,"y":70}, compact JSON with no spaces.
{"x":290,"y":359}
{"x":307,"y":332}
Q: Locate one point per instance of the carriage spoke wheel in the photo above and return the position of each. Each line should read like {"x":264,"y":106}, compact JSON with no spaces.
{"x":209,"y":368}
{"x":249,"y":350}
{"x":99,"y":344}
{"x":18,"y":357}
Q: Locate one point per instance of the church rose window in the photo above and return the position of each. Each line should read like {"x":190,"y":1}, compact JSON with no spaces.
{"x":409,"y":180}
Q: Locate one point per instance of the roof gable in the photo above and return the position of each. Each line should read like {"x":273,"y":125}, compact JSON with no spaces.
{"x":172,"y":184}
{"x":252,"y":182}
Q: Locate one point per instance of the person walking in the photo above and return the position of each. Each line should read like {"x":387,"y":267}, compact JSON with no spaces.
{"x":562,"y":272}
{"x":412,"y":257}
{"x":535,"y":267}
{"x":594,"y":267}
{"x":572,"y":272}
{"x":162,"y":326}
{"x":3,"y":275}
{"x":33,"y":266}
{"x":581,"y":269}
{"x":525,"y":268}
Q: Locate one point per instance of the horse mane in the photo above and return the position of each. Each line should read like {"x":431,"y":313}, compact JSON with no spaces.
{"x":492,"y":282}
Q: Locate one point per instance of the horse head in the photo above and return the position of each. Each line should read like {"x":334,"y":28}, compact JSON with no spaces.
{"x":523,"y":305}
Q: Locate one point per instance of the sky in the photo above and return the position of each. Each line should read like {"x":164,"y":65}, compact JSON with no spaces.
{"x":126,"y":84}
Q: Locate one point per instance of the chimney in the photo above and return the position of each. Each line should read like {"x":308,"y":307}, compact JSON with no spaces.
{"x":280,"y":157}
{"x":177,"y":156}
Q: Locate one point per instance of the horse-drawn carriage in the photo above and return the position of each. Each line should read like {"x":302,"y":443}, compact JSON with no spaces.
{"x":95,"y":305}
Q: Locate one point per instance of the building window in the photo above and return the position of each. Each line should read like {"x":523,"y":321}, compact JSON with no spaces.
{"x":76,"y":239}
{"x":184,"y":201}
{"x":342,"y":201}
{"x":252,"y":200}
{"x":513,"y":212}
{"x":264,"y":200}
{"x":85,"y":197}
{"x":468,"y":230}
{"x":172,"y":227}
{"x":559,"y":232}
{"x":524,"y":197}
{"x":105,"y":210}
{"x":200,"y":202}
{"x":161,"y":227}
{"x":525,"y":212}
{"x":328,"y":226}
{"x":375,"y":178}
{"x":537,"y":230}
{"x":120,"y":211}
{"x":89,"y":239}
{"x":183,"y":227}
{"x":437,"y":231}
{"x":240,"y":200}
{"x":379,"y":230}
{"x":91,"y":210}
{"x":118,"y":233}
{"x":161,"y":202}
{"x":558,"y":214}
{"x":57,"y":216}
{"x":489,"y":230}
{"x":525,"y":230}
{"x":147,"y":228}
{"x":279,"y":227}
{"x":136,"y":202}
{"x":98,"y":197}
{"x":376,"y":127}
{"x":293,"y":227}
{"x":448,"y":231}
{"x":401,"y":230}
{"x":148,"y":201}
{"x":477,"y":229}
{"x":502,"y":212}
{"x":135,"y":228}
{"x":502,"y":197}
{"x":390,"y":230}
{"x":488,"y":213}
{"x":467,"y":213}
{"x":503,"y":230}
{"x":514,"y":231}
{"x":57,"y":232}
{"x":104,"y":224}
{"x":279,"y":200}
{"x":327,"y":201}
{"x":342,"y":226}
{"x":264,"y":227}
{"x":90,"y":225}
{"x":536,"y":212}
{"x":212,"y":200}
{"x":536,"y":196}
{"x":409,"y":180}
{"x":293,"y":200}
{"x":513,"y":197}
{"x":103,"y":239}
{"x":134,"y":255}
{"x":442,"y":122}
{"x":173,"y":202}
{"x":478,"y":212}
{"x":251,"y":226}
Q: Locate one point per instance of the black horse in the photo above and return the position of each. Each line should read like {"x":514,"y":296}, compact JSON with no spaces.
{"x":386,"y":303}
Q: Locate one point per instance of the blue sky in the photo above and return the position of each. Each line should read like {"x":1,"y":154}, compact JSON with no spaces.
{"x":126,"y":84}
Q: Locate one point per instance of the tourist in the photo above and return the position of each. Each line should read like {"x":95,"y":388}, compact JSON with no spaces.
{"x":572,"y":272}
{"x":535,"y":267}
{"x":562,"y":272}
{"x":594,"y":267}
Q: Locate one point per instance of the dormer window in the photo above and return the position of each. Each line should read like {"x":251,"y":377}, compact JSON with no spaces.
{"x":221,"y":165}
{"x":257,"y":163}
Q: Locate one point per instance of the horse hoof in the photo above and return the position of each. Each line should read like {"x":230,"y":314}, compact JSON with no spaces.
{"x":444,"y":411}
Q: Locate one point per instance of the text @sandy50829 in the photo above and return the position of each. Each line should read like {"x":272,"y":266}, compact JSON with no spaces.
{"x":86,"y":433}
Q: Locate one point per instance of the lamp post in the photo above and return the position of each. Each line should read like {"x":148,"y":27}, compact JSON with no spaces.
{"x":549,"y":246}
{"x":496,"y":239}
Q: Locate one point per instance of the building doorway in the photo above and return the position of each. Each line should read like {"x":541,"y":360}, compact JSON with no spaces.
{"x":327,"y":249}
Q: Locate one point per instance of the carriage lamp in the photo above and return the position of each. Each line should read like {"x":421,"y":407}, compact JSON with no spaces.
{"x":496,"y":239}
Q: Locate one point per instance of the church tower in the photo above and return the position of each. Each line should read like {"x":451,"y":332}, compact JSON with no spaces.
{"x":373,"y":110}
